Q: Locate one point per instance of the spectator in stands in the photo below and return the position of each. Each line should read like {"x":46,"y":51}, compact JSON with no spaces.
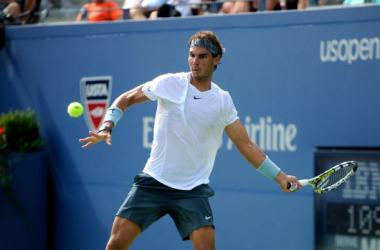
{"x":12,"y":11}
{"x":353,"y":2}
{"x":152,"y":9}
{"x":99,"y":11}
{"x":232,"y":7}
{"x":188,"y":7}
{"x":139,"y":9}
{"x":286,"y":4}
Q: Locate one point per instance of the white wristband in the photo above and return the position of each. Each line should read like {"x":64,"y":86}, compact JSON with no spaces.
{"x":113,"y":114}
{"x":269,"y":169}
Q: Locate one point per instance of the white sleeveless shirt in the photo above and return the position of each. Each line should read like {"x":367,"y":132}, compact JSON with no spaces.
{"x":188,"y":130}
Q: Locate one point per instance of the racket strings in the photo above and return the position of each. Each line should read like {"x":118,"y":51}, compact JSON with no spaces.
{"x":335,"y":177}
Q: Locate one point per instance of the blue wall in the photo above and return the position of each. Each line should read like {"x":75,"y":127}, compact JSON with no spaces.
{"x":313,"y":75}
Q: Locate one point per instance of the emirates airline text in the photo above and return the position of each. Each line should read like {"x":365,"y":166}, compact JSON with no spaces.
{"x":267,"y":134}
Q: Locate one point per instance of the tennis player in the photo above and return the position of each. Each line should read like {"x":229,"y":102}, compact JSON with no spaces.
{"x":192,"y":114}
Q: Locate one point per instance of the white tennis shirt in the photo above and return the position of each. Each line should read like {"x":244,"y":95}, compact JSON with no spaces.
{"x":188,"y":130}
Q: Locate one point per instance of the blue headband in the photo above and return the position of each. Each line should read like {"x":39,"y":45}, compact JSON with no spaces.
{"x":206,"y":44}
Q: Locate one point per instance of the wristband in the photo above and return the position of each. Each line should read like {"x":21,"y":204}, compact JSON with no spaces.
{"x":104,"y":127}
{"x":269,"y":169}
{"x":113,"y":114}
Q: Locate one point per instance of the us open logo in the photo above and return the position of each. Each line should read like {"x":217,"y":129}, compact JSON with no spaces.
{"x":95,"y":95}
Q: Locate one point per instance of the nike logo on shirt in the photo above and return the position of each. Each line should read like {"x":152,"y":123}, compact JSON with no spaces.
{"x":196,"y":98}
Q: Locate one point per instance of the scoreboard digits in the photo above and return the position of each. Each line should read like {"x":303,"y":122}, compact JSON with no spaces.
{"x":356,"y":220}
{"x":349,"y":217}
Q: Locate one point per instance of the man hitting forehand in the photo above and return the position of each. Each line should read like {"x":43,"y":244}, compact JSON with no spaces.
{"x":192,"y":113}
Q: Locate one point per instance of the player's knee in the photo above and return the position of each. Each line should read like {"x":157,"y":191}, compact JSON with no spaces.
{"x":203,"y":239}
{"x":205,"y":246}
{"x":117,"y":243}
{"x":111,"y":245}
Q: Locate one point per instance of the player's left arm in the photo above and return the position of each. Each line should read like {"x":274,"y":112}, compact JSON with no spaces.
{"x":253,"y":154}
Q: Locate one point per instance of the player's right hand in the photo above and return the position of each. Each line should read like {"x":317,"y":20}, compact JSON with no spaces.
{"x":95,"y":138}
{"x":283,"y":179}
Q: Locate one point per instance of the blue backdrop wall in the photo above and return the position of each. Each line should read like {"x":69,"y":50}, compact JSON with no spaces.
{"x":299,"y":80}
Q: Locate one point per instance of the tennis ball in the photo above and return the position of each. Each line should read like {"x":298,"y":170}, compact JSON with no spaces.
{"x":75,"y":109}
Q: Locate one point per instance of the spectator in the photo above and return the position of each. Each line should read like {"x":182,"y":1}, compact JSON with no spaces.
{"x":286,"y":4}
{"x":152,"y":9}
{"x":139,"y":9}
{"x":99,"y":11}
{"x":234,"y":7}
{"x":188,"y":7}
{"x":12,"y":10}
{"x":149,"y":9}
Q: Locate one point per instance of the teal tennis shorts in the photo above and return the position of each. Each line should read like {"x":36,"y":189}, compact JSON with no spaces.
{"x":149,"y":200}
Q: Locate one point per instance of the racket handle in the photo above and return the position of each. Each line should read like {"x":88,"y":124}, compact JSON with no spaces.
{"x":294,"y":186}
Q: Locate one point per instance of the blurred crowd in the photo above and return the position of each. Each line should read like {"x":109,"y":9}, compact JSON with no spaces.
{"x":19,"y":11}
{"x":34,"y":11}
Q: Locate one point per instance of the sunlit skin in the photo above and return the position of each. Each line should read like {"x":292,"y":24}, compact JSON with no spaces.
{"x":202,"y":63}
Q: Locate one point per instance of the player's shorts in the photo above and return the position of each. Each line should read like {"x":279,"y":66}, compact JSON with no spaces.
{"x":149,"y":200}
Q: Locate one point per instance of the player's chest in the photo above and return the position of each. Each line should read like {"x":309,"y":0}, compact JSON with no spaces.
{"x":204,"y":110}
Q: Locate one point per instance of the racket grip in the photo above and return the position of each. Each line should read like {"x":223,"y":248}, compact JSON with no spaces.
{"x":292,"y":186}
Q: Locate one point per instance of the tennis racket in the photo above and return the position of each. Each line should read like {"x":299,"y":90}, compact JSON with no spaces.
{"x":329,"y":180}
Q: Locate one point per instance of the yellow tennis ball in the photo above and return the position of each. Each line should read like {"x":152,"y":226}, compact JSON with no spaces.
{"x":75,"y":109}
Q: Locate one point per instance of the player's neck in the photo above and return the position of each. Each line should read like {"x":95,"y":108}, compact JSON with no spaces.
{"x":201,"y":85}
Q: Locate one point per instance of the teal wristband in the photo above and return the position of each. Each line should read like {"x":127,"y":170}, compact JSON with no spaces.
{"x":269,"y":169}
{"x":113,"y":114}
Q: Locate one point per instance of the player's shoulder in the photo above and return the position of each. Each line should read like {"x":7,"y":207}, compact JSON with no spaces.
{"x":220,"y":91}
{"x":181,"y":77}
{"x":178,"y":75}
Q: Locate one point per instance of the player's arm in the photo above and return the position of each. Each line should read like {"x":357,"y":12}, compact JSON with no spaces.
{"x":129,"y":98}
{"x":254,"y":155}
{"x":114,"y":114}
